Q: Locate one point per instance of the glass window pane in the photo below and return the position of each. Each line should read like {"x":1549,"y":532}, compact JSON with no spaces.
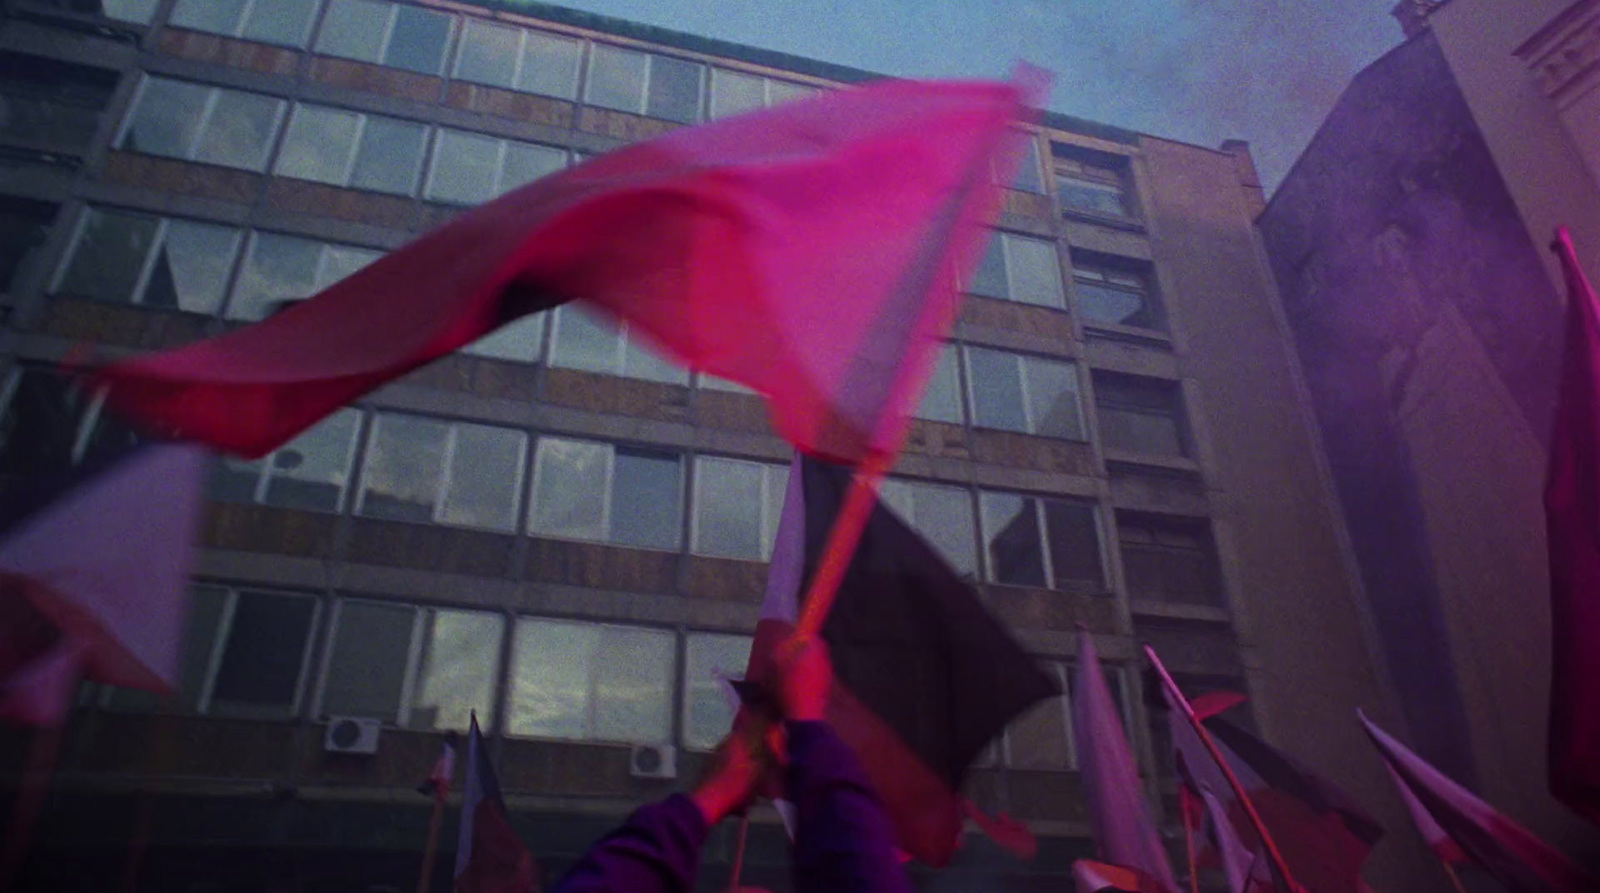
{"x":526,"y":162}
{"x":633,"y":685}
{"x":783,"y":91}
{"x":464,"y":168}
{"x":404,"y":465}
{"x":110,"y":255}
{"x":1029,"y":178}
{"x":216,"y":16}
{"x":136,"y":11}
{"x":708,"y":659}
{"x":367,"y":661}
{"x":733,"y":92}
{"x":259,"y":675}
{"x":1102,"y":303}
{"x":240,"y":130}
{"x":311,"y":471}
{"x":990,"y":279}
{"x":647,"y":499}
{"x":419,"y":39}
{"x":167,"y":118}
{"x":485,"y":477}
{"x":1011,"y":537}
{"x":616,"y":79}
{"x":282,"y":22}
{"x":941,"y":402}
{"x":571,"y":479}
{"x":1088,"y":195}
{"x":552,"y":664}
{"x":584,"y":341}
{"x":390,"y":156}
{"x":1140,"y":431}
{"x":943,"y":515}
{"x":1041,"y":737}
{"x":1054,"y":409}
{"x":24,"y":227}
{"x":1074,"y":544}
{"x":674,"y":90}
{"x":341,"y":261}
{"x":488,"y":53}
{"x":234,"y":479}
{"x":191,"y":268}
{"x":278,"y":269}
{"x":318,"y":145}
{"x":728,"y":508}
{"x":354,"y":29}
{"x":1035,"y":272}
{"x":550,"y":65}
{"x":996,"y":390}
{"x":776,"y":485}
{"x":460,"y":663}
{"x":641,"y":360}
{"x":519,"y":342}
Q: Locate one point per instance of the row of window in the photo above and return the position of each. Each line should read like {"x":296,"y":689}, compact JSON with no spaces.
{"x":249,"y":653}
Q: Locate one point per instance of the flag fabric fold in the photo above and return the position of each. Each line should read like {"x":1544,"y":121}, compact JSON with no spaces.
{"x":925,"y":676}
{"x":810,"y":251}
{"x":1572,"y":522}
{"x":1118,"y":813}
{"x":1510,"y":853}
{"x":489,"y":856}
{"x":1090,"y":876}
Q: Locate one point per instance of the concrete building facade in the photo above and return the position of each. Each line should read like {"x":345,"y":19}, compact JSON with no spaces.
{"x":559,"y":530}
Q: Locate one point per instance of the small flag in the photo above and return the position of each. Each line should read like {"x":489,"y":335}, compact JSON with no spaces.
{"x":1572,"y":523}
{"x":1089,"y":876}
{"x":1240,"y":865}
{"x":437,"y":784}
{"x":810,"y":251}
{"x":96,"y":565}
{"x":1507,"y":851}
{"x":926,"y":677}
{"x":1118,"y":813}
{"x":489,"y":856}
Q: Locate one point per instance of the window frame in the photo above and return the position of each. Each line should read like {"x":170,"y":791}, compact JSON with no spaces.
{"x":1107,"y":402}
{"x":217,"y":651}
{"x":213,"y":95}
{"x":502,"y":150}
{"x":626,"y":345}
{"x":245,"y":12}
{"x":686,"y":685}
{"x":676,"y":658}
{"x":1108,"y":174}
{"x":459,"y":53}
{"x":608,"y":496}
{"x":767,"y":538}
{"x":440,"y":69}
{"x":265,"y":474}
{"x":353,"y":154}
{"x":643,"y":107}
{"x":442,"y":484}
{"x":1026,"y":393}
{"x":247,"y":254}
{"x":1102,"y":271}
{"x":1041,"y":522}
{"x":147,"y":265}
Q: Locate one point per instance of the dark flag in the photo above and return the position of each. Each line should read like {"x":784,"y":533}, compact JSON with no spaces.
{"x":925,"y":676}
{"x":489,"y":856}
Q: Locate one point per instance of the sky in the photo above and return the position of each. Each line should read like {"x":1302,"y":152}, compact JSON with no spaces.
{"x":1200,"y":71}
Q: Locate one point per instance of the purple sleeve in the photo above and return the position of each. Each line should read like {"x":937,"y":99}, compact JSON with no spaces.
{"x":844,"y":842}
{"x":656,"y":851}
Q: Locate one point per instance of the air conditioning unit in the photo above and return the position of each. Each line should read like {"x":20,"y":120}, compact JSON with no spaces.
{"x":351,"y":734}
{"x":653,"y":761}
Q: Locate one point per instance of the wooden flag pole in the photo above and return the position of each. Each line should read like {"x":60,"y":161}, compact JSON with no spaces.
{"x":738,"y":853}
{"x":43,"y":753}
{"x":1188,"y":847}
{"x":1455,"y":879}
{"x":430,"y":852}
{"x":842,"y":542}
{"x":1278,"y":863}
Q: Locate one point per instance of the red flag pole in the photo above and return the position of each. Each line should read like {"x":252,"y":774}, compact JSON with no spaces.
{"x":1455,"y":879}
{"x":738,"y":853}
{"x":841,"y":546}
{"x":430,"y":852}
{"x":1188,"y":843}
{"x":1278,"y":863}
{"x":34,"y":784}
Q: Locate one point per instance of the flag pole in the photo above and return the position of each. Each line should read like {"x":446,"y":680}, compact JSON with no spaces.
{"x":1455,"y":879}
{"x":43,"y":753}
{"x":430,"y":852}
{"x":1278,"y":863}
{"x":738,"y":853}
{"x":1188,"y":845}
{"x":842,"y":542}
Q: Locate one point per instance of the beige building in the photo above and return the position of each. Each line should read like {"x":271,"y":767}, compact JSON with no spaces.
{"x":564,"y":533}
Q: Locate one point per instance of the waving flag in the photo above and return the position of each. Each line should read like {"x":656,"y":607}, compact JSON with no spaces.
{"x":810,"y":251}
{"x":489,"y":856}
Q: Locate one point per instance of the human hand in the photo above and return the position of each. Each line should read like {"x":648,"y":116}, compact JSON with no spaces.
{"x":730,"y":780}
{"x":802,"y":678}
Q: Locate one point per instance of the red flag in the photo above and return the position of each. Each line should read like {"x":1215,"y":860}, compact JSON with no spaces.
{"x":1089,"y":876}
{"x":1572,"y":521}
{"x":490,"y":858}
{"x":1501,"y":847}
{"x":810,"y":251}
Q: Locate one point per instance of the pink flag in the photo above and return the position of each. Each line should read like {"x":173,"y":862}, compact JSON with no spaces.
{"x":1240,"y":865}
{"x":1118,"y":814}
{"x":1501,"y":847}
{"x":1572,"y":521}
{"x":810,"y":251}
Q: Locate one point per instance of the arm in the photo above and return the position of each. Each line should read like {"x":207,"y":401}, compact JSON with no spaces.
{"x":843,"y":840}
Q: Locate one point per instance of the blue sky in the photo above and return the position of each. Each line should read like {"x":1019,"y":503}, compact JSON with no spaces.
{"x":1201,"y":71}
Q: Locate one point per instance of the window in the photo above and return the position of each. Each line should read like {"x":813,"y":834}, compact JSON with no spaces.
{"x":1032,"y":395}
{"x":1017,"y":268}
{"x":521,"y":341}
{"x":420,"y":668}
{"x":591,"y":682}
{"x":50,"y":104}
{"x":310,"y":472}
{"x":519,"y":59}
{"x":140,"y":12}
{"x":44,"y":417}
{"x":736,"y":507}
{"x":1139,"y":415}
{"x":396,"y":35}
{"x":943,"y":515}
{"x":469,"y":168}
{"x":279,"y":270}
{"x":154,"y":261}
{"x":584,"y":340}
{"x":1029,"y":178}
{"x":1169,"y":560}
{"x":24,"y":224}
{"x":284,"y":22}
{"x":343,"y":148}
{"x":429,"y":470}
{"x":709,"y":659}
{"x":206,"y":124}
{"x":1041,"y":738}
{"x":586,"y":490}
{"x":1113,"y":291}
{"x":644,"y":84}
{"x":1090,"y":182}
{"x":733,"y":92}
{"x":1033,"y":541}
{"x":941,"y":402}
